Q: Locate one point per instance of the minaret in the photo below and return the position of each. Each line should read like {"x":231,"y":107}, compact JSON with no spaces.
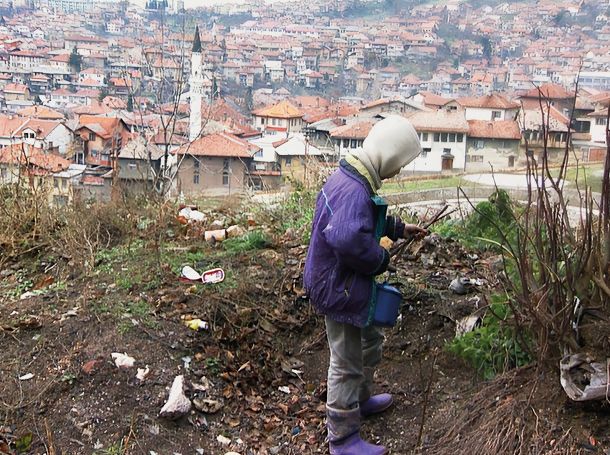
{"x":196,"y":88}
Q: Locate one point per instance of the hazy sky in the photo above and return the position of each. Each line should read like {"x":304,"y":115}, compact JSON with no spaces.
{"x":197,"y":3}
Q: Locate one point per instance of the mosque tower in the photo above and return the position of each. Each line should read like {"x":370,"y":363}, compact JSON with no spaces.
{"x":196,"y":88}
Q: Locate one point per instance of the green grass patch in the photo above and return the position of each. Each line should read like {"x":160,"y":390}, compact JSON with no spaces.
{"x":254,"y":240}
{"x":403,"y":186}
{"x":584,"y":175}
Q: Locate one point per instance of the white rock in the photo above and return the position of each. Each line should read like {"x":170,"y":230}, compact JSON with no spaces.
{"x":177,"y":404}
{"x":26,"y":377}
{"x":216,"y":224}
{"x":235,"y":231}
{"x":223,"y":440}
{"x":123,"y":360}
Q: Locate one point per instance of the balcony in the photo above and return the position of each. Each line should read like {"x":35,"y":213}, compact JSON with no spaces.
{"x":260,"y":168}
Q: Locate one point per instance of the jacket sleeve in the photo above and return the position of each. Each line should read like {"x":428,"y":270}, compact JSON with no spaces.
{"x":394,"y":227}
{"x":350,"y":234}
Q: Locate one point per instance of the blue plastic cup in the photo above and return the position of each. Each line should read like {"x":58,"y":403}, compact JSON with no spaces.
{"x":388,"y":305}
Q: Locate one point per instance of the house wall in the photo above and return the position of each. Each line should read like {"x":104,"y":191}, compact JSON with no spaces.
{"x":598,"y":130}
{"x":62,"y":138}
{"x":478,"y":113}
{"x":342,"y":147}
{"x":210,"y":173}
{"x":132,"y":169}
{"x":8,"y":174}
{"x":61,"y":191}
{"x":433,"y":148}
{"x":483,"y":154}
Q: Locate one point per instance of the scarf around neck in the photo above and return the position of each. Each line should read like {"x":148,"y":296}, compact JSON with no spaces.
{"x":362,"y":163}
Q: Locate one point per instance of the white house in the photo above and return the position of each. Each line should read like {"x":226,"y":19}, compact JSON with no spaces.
{"x":489,"y":107}
{"x":443,"y":140}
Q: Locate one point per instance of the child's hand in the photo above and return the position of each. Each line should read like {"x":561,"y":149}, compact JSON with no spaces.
{"x":413,"y":231}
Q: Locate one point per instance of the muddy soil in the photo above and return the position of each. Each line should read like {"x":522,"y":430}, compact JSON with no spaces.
{"x":261,"y":362}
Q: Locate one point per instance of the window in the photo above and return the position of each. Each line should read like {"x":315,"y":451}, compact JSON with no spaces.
{"x":55,"y":183}
{"x":288,"y":161}
{"x":600,"y":120}
{"x":495,"y":115}
{"x":105,"y":157}
{"x":437,"y":137}
{"x":474,"y":158}
{"x":444,"y":137}
{"x":3,"y":172}
{"x":64,"y":183}
{"x":132,"y":165}
{"x":353,"y":143}
{"x":92,"y":136}
{"x":451,"y":137}
{"x":479,"y":144}
{"x":262,"y":120}
{"x":225,"y":165}
{"x":94,"y":153}
{"x":423,"y":137}
{"x":345,"y":143}
{"x":274,"y":122}
{"x":225,"y":178}
{"x":425,"y":151}
{"x":460,"y":137}
{"x":258,"y":154}
{"x":196,"y":178}
{"x":196,"y":164}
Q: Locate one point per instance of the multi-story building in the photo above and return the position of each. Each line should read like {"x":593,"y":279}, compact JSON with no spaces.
{"x":79,"y":6}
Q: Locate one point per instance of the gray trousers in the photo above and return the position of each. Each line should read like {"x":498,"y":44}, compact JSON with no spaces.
{"x":354,"y":354}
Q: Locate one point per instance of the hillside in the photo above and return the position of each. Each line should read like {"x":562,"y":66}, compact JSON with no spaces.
{"x":256,"y":373}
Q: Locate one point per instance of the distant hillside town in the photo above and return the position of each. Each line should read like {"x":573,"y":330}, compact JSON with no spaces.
{"x":106,"y":96}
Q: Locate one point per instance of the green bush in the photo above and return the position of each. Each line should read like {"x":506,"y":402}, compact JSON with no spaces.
{"x":492,"y":348}
{"x":488,"y":227}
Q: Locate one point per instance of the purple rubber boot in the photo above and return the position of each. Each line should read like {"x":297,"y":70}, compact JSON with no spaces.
{"x":376,"y":404}
{"x":354,"y":445}
{"x":344,"y":434}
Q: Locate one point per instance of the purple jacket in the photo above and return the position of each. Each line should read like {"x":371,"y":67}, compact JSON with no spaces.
{"x":344,"y":253}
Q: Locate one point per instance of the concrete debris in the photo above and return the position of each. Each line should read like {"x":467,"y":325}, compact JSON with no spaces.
{"x":177,"y":404}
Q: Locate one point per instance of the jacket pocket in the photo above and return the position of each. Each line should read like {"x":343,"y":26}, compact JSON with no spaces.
{"x":343,"y":281}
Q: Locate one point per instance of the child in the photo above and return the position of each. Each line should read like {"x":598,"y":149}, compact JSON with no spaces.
{"x":344,"y":257}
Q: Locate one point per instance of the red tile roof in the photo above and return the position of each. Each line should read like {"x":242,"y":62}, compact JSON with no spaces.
{"x":493,"y":101}
{"x":221,"y":145}
{"x":550,"y":91}
{"x":41,"y":112}
{"x":500,"y":129}
{"x":24,"y":154}
{"x":284,"y":109}
{"x":352,"y":131}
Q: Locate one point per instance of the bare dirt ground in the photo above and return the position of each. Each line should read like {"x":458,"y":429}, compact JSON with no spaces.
{"x":261,"y":363}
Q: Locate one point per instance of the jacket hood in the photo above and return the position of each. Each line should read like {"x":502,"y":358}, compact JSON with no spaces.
{"x":391,"y":144}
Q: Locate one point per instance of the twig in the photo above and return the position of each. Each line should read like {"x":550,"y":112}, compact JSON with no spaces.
{"x":426,"y":400}
{"x":51,"y":447}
